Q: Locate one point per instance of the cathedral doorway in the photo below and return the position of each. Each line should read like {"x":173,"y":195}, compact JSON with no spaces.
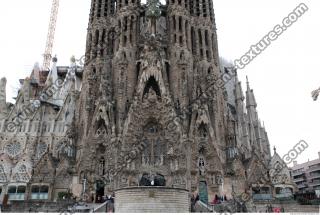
{"x":99,"y":191}
{"x":203,"y":192}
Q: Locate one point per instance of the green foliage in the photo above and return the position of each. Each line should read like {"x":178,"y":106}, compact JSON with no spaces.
{"x":66,"y":195}
{"x":153,"y":8}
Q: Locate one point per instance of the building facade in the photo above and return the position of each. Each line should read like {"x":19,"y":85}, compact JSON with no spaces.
{"x":148,"y":105}
{"x":307,"y":176}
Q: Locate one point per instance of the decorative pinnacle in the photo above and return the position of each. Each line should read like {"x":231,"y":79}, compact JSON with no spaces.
{"x":55,"y":59}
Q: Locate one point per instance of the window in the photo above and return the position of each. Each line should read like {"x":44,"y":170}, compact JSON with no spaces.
{"x":154,"y":152}
{"x":39,"y":192}
{"x":16,"y":192}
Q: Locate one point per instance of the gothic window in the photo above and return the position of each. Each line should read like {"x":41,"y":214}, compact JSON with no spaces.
{"x":158,"y":153}
{"x":193,"y":43}
{"x":13,"y":149}
{"x":203,"y":133}
{"x":41,"y":149}
{"x":103,"y":42}
{"x":102,"y":130}
{"x":113,"y":6}
{"x":16,"y":192}
{"x":155,"y":149}
{"x":204,"y":8}
{"x":180,"y":40}
{"x":231,"y":152}
{"x":198,"y":7}
{"x":39,"y":192}
{"x":96,"y":41}
{"x":191,"y":7}
{"x":200,"y":37}
{"x":22,"y":174}
{"x":111,"y":38}
{"x":105,"y":13}
{"x":99,"y":8}
{"x":102,"y":164}
{"x":146,"y":155}
{"x":93,"y":9}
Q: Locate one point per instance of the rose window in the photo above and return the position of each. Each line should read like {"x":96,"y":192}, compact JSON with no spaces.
{"x":13,"y":149}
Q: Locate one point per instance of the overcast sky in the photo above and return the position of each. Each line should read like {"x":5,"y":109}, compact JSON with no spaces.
{"x":282,"y":77}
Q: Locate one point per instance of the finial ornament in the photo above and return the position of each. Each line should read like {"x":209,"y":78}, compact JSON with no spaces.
{"x":247,"y":81}
{"x":55,"y":59}
{"x":73,"y":59}
{"x":315,"y":94}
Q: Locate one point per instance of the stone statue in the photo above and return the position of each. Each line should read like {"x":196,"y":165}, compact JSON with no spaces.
{"x":145,"y":180}
{"x":152,"y":95}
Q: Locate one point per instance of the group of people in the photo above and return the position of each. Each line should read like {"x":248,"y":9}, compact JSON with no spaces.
{"x":219,"y":199}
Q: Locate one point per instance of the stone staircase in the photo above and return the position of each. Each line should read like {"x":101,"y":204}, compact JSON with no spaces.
{"x":152,"y":200}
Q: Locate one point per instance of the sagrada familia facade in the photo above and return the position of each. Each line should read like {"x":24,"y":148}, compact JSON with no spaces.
{"x":145,"y":105}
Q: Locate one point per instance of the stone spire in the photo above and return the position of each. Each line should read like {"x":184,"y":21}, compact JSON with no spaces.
{"x":238,"y":91}
{"x":250,"y":98}
{"x":243,"y":129}
{"x":252,"y":119}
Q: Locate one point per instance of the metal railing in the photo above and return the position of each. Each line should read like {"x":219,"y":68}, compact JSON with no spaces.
{"x":315,"y":183}
{"x":284,"y":195}
{"x":262,"y":196}
{"x":316,"y":175}
{"x":100,"y":208}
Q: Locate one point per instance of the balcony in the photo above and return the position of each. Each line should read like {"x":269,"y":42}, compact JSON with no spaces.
{"x":297,"y":173}
{"x":303,"y":185}
{"x":314,"y":168}
{"x":315,"y":183}
{"x":313,"y":176}
{"x":284,"y":195}
{"x":299,"y":179}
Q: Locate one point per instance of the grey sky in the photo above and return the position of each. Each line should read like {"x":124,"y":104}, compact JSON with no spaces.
{"x":282,"y":77}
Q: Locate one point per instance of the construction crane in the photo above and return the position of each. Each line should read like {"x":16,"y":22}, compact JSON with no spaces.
{"x":51,"y":32}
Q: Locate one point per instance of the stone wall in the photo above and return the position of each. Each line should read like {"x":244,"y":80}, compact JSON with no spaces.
{"x":152,"y":200}
{"x":37,"y":206}
{"x":288,"y":208}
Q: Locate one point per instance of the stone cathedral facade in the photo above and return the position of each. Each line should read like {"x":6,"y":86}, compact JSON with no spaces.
{"x":143,"y":106}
